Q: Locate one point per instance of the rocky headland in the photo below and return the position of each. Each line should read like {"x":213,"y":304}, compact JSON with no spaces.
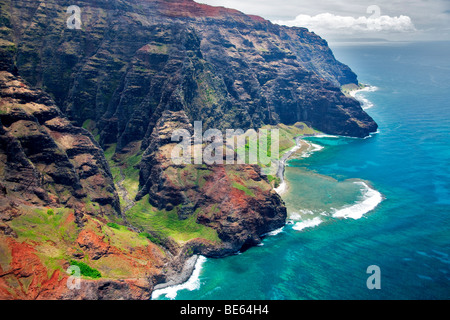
{"x":86,"y":119}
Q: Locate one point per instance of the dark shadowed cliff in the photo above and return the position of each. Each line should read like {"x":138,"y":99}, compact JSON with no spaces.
{"x":86,"y":117}
{"x":132,"y":60}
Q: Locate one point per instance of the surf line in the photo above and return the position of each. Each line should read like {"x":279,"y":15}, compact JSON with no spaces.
{"x":282,"y":162}
{"x":189,"y":279}
{"x":370,"y":198}
{"x":282,"y":166}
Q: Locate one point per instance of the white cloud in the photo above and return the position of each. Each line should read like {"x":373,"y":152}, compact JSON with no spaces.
{"x":406,"y":20}
{"x":328,"y":22}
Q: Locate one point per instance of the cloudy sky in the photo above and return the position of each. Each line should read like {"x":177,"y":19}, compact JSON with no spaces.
{"x":394,"y":20}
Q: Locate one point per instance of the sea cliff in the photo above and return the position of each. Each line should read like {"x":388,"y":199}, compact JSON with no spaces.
{"x":86,"y":119}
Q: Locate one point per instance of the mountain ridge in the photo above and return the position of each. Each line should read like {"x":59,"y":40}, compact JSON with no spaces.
{"x":86,"y":116}
{"x":134,"y":59}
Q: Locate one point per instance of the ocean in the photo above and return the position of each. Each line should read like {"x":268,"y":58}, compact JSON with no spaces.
{"x":354,"y":203}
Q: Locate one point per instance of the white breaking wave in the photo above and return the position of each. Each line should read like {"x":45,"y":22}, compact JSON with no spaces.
{"x":366,"y":103}
{"x":325,"y":136}
{"x":310,"y":223}
{"x":193,"y":282}
{"x":368,"y":88}
{"x":305,"y":211}
{"x":281,"y":188}
{"x":371,"y":199}
{"x":372,"y":134}
{"x":312,"y":148}
{"x":275,"y":232}
{"x":316,"y":147}
{"x":295,"y":148}
{"x":295,"y":216}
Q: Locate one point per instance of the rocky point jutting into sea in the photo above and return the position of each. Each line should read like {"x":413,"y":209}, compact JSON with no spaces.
{"x":86,"y":117}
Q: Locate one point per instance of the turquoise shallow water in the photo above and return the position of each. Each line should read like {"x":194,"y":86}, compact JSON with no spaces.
{"x":408,"y":162}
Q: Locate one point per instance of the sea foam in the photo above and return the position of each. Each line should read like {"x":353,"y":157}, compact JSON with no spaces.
{"x":371,"y":199}
{"x":193,"y":283}
{"x":310,"y":223}
{"x":275,"y":232}
{"x":281,"y":188}
{"x":312,"y":148}
{"x":366,"y":103}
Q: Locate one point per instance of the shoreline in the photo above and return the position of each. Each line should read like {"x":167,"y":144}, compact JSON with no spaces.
{"x":366,"y":88}
{"x":186,"y":276}
{"x":178,"y":279}
{"x":283,"y":187}
{"x":365,"y":103}
{"x":372,"y":197}
{"x":282,"y":166}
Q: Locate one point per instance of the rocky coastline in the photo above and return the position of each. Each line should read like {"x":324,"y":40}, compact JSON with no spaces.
{"x":86,"y":119}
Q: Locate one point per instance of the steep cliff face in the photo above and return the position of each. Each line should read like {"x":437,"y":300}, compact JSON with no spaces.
{"x":132,"y":60}
{"x":57,"y":205}
{"x":47,"y":160}
{"x":234,"y":200}
{"x":86,"y":117}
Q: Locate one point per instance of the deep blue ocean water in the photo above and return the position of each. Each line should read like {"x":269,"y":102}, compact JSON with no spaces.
{"x":407,"y":235}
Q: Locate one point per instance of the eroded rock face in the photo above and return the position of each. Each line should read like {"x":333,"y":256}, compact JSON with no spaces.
{"x":132,"y":60}
{"x":47,"y":160}
{"x":136,"y":71}
{"x":235,"y":200}
{"x":25,"y":272}
{"x":53,"y":173}
{"x":52,"y":168}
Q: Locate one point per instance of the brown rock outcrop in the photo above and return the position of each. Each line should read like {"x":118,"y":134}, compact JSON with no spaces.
{"x":235,"y":200}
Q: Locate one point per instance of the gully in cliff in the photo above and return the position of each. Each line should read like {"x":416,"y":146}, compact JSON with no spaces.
{"x":87,"y":165}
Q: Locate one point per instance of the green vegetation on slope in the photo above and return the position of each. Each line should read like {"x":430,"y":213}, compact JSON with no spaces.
{"x":348,"y":88}
{"x":89,"y":125}
{"x":86,"y":270}
{"x":125,"y":172}
{"x":157,"y":225}
{"x":51,"y":234}
{"x":167,"y":223}
{"x":55,"y":239}
{"x":243,"y":188}
{"x":274,"y":180}
{"x":287,"y":134}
